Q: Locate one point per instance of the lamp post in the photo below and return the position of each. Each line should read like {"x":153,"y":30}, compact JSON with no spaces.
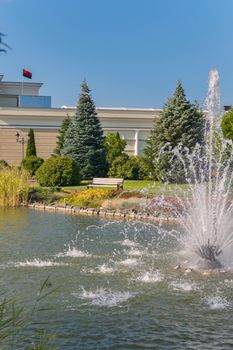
{"x":22,"y":141}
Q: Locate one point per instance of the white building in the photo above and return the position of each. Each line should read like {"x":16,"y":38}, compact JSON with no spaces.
{"x":22,"y":108}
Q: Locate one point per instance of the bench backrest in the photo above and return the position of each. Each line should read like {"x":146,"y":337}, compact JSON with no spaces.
{"x":107,"y":181}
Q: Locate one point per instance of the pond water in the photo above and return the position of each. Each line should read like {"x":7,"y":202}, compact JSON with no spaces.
{"x":117,"y":286}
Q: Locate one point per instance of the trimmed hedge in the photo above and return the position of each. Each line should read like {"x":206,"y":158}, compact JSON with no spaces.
{"x":58,"y":171}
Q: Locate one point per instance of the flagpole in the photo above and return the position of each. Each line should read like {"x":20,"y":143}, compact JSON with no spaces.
{"x":22,"y":85}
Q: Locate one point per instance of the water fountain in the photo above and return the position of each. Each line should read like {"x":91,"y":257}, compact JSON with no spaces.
{"x":116,"y":279}
{"x":204,"y":209}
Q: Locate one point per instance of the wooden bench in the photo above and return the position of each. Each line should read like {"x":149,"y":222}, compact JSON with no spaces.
{"x":106,"y":182}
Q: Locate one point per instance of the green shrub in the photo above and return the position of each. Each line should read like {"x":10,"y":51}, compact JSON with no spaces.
{"x":117,"y":167}
{"x":130,"y":168}
{"x":44,"y":195}
{"x":227,"y":125}
{"x":136,"y":168}
{"x":115,"y":146}
{"x":31,"y":164}
{"x":58,"y":171}
{"x":3,"y":164}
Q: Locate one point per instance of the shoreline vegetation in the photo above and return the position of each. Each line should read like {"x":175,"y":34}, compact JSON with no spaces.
{"x":137,"y":200}
{"x":151,"y":203}
{"x":14,"y":186}
{"x":140,"y":200}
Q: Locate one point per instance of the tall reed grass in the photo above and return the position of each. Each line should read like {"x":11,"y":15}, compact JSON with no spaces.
{"x":14,"y":187}
{"x":18,"y":326}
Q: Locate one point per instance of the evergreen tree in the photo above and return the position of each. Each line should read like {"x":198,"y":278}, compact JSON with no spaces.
{"x":114,"y":146}
{"x":180,"y":123}
{"x":31,"y":147}
{"x":84,"y":139}
{"x":61,"y":136}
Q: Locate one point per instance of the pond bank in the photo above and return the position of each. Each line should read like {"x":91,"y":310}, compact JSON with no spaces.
{"x":117,"y":214}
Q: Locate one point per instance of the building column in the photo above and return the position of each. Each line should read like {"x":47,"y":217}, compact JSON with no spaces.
{"x":136,"y":146}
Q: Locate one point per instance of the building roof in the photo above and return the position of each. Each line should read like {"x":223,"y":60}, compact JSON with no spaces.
{"x":16,"y":87}
{"x":121,"y":109}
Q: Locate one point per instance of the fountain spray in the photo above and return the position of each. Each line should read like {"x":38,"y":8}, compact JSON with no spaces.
{"x":208,"y":212}
{"x":204,"y":208}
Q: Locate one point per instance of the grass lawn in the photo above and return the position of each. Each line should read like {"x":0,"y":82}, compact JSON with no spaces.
{"x":82,"y":186}
{"x":129,"y":185}
{"x":149,"y":187}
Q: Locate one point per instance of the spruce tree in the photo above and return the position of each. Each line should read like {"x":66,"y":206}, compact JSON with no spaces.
{"x":180,"y":123}
{"x":31,"y":147}
{"x":61,"y":136}
{"x":84,"y":139}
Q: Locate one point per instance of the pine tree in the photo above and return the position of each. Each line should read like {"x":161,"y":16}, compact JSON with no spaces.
{"x":84,"y":139}
{"x":180,"y":123}
{"x":61,"y":136}
{"x":31,"y":147}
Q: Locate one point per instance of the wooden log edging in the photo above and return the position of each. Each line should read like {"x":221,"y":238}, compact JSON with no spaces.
{"x":117,"y":214}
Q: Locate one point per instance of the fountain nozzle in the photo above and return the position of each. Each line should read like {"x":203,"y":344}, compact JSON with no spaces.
{"x":209,"y":253}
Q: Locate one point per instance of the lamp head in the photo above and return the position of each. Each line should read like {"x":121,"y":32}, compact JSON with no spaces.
{"x":17,"y":136}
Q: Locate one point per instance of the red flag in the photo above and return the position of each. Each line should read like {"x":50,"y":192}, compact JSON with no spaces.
{"x":27,"y":74}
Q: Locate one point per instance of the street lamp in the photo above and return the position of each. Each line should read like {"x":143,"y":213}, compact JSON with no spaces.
{"x":22,"y":141}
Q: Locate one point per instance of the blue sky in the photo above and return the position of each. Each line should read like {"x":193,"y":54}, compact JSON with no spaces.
{"x":132,"y":52}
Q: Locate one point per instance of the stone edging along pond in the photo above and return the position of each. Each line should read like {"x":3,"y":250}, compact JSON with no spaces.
{"x":117,"y":214}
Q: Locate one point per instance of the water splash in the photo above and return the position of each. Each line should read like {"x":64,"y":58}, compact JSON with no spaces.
{"x":72,"y":251}
{"x":104,"y":297}
{"x":129,"y":243}
{"x":150,"y":277}
{"x":183,"y":286}
{"x":38,"y":263}
{"x":105,"y":269}
{"x":134,"y":252}
{"x":129,"y":262}
{"x":217,"y":302}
